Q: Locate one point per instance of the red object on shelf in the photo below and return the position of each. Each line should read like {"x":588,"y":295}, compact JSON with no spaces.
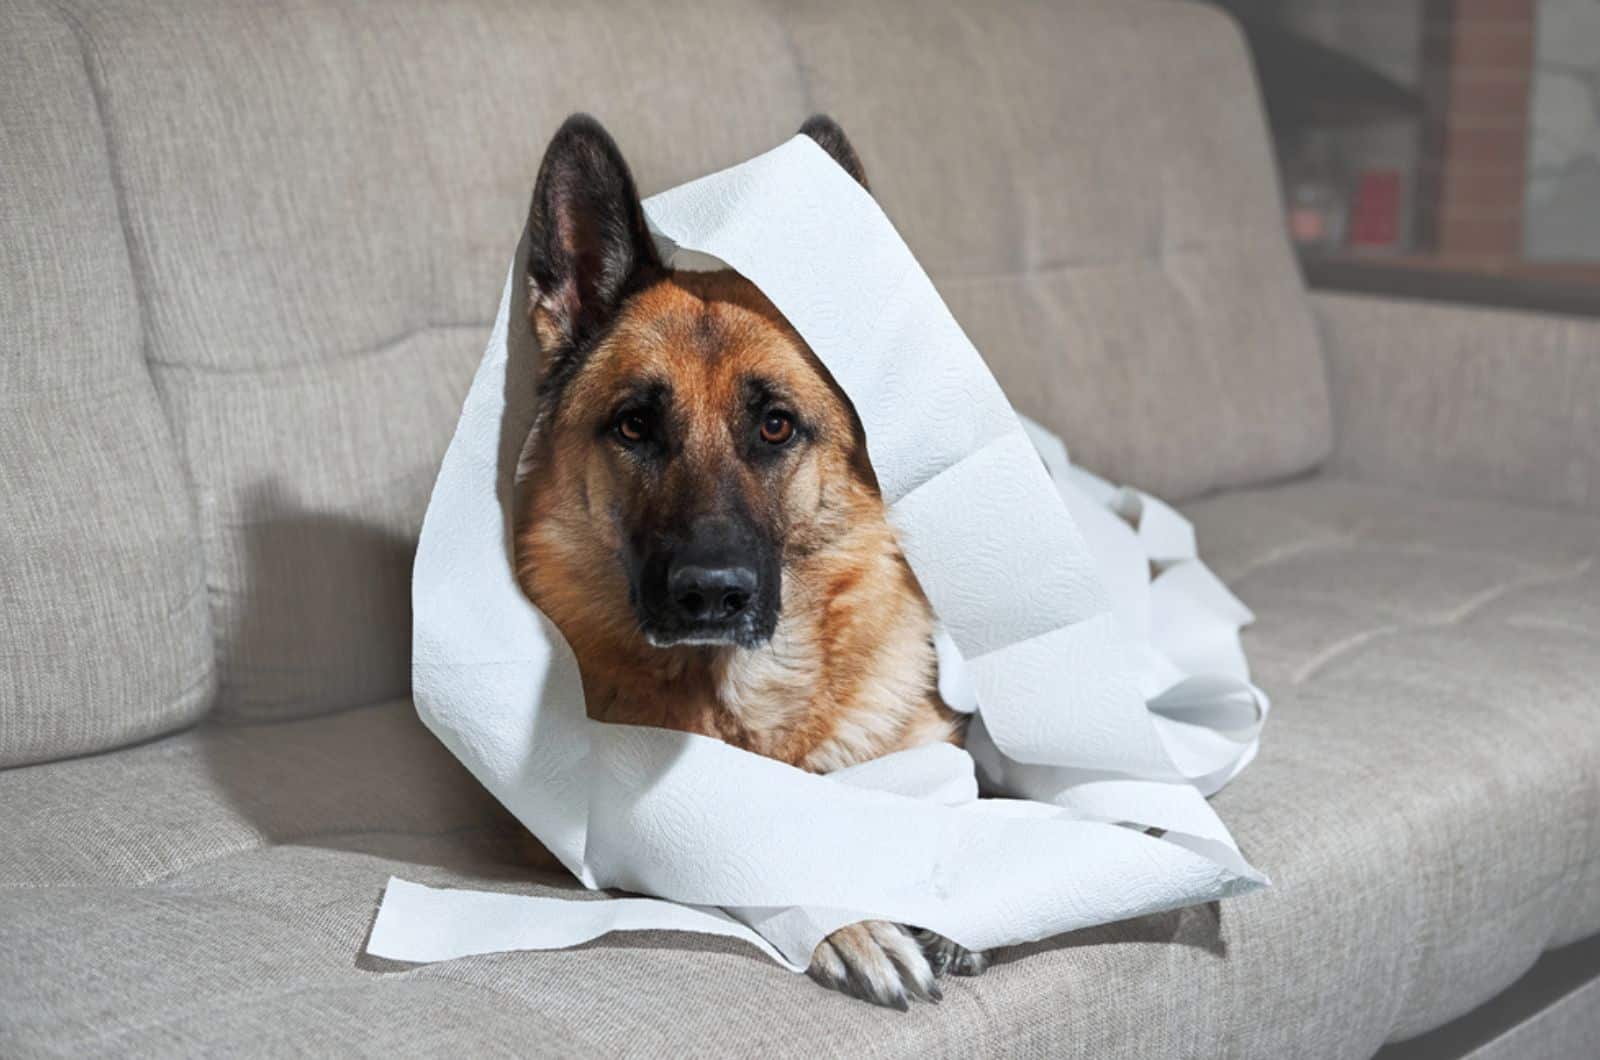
{"x":1375,"y":221}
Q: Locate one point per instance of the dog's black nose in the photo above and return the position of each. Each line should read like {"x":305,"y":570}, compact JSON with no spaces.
{"x":710,"y":594}
{"x":715,"y":580}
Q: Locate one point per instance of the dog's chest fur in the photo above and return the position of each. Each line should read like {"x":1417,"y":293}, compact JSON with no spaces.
{"x":851,"y":676}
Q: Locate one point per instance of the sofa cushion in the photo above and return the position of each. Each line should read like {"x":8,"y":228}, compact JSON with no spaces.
{"x":1090,"y":186}
{"x":1465,"y":400}
{"x":321,"y":200}
{"x":1423,"y":801}
{"x":1435,"y":739}
{"x":103,"y":631}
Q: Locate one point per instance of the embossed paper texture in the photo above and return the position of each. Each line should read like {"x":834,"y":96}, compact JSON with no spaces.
{"x":1100,"y":655}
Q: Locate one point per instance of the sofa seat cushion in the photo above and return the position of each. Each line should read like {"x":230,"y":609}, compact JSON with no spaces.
{"x":1423,"y":800}
{"x":1425,"y":794}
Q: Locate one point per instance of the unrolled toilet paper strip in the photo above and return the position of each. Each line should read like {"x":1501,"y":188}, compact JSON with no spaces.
{"x":1091,"y":704}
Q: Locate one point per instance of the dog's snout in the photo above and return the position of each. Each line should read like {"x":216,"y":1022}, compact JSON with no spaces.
{"x":714,"y":593}
{"x":713,"y":582}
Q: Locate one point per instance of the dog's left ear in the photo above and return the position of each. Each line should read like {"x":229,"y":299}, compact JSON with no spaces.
{"x":589,"y":246}
{"x":826,"y":132}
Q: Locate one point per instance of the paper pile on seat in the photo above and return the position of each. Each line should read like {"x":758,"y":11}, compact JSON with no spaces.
{"x":1110,"y":701}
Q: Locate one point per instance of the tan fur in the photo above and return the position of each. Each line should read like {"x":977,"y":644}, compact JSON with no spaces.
{"x":849,"y":673}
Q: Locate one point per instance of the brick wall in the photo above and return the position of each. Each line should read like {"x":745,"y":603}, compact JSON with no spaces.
{"x":1477,"y":75}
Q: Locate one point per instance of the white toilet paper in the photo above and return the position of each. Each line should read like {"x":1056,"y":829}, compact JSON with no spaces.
{"x":1106,"y":699}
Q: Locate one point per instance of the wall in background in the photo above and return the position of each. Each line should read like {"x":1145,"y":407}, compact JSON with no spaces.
{"x":1562,"y":205}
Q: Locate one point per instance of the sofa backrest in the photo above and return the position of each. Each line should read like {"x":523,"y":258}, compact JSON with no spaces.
{"x":318,"y":203}
{"x":104,"y":636}
{"x":1091,"y":188}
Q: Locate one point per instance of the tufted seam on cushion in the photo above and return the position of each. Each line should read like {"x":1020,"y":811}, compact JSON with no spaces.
{"x":1282,"y":553}
{"x":316,"y":838}
{"x":94,"y":71}
{"x":68,"y":650}
{"x":1285,"y":553}
{"x":1489,"y":596}
{"x":1552,"y":625}
{"x":262,"y":841}
{"x":233,"y":722}
{"x":377,"y":349}
{"x":1279,"y":556}
{"x":97,"y":661}
{"x":1359,"y":535}
{"x":1339,"y":648}
{"x":139,"y":271}
{"x":1213,"y":368}
{"x":1456,"y":615}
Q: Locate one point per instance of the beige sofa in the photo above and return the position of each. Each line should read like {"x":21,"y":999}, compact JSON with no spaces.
{"x":251,"y":249}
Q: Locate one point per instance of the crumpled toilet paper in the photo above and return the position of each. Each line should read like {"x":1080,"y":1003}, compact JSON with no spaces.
{"x":1100,"y":655}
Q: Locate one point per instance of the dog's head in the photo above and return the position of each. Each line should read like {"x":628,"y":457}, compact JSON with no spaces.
{"x":688,"y":442}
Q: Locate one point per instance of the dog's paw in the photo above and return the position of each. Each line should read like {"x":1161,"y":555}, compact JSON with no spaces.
{"x":876,"y":961}
{"x":946,"y":956}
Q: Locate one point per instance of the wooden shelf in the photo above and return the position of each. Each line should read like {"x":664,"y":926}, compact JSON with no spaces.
{"x":1567,"y":289}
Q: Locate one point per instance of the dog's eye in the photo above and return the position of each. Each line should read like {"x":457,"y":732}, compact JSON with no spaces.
{"x":633,"y":427}
{"x":777,"y":428}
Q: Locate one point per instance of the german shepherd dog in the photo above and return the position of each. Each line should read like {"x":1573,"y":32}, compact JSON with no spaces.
{"x":703,"y":524}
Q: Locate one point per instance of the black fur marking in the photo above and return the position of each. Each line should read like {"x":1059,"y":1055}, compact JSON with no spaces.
{"x":653,"y":395}
{"x":826,"y":132}
{"x":762,"y":396}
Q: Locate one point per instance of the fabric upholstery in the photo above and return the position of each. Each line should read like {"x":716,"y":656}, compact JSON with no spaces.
{"x":252,"y":249}
{"x":320,"y":200}
{"x":1090,"y":187}
{"x":1466,"y":401}
{"x":1423,"y":804}
{"x":103,"y":631}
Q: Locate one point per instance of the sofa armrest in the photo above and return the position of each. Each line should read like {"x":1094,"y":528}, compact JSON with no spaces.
{"x":1468,"y":401}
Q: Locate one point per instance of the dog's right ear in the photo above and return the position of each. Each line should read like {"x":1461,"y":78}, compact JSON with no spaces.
{"x":588,"y":245}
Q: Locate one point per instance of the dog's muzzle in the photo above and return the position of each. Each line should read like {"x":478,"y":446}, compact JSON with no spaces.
{"x":716,"y":584}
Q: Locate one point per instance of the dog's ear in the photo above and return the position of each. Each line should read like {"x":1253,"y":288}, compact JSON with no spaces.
{"x":588,"y":245}
{"x":826,"y":132}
